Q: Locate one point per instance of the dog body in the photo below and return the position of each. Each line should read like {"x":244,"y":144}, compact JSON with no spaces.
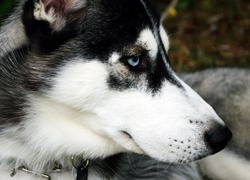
{"x":87,"y":79}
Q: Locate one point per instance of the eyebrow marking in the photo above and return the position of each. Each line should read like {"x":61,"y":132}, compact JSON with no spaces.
{"x":134,"y":50}
{"x":147,"y":39}
{"x":114,"y":58}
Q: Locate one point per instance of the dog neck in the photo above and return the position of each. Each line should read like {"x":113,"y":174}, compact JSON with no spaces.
{"x":47,"y":136}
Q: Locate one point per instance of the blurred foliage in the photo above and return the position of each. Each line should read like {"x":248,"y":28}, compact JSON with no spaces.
{"x":5,"y":8}
{"x":208,"y":33}
{"x":203,"y":34}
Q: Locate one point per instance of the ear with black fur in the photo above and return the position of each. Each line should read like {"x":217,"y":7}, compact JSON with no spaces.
{"x":56,"y":12}
{"x":49,"y":23}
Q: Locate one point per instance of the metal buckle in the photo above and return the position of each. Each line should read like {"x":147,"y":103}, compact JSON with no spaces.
{"x":13,"y":173}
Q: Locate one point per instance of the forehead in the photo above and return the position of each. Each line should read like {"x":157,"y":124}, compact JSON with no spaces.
{"x":113,"y":24}
{"x":145,"y":42}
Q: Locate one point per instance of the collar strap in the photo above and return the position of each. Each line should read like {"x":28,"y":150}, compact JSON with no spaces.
{"x":82,"y":171}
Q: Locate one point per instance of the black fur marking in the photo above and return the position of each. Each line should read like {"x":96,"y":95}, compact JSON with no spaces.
{"x":118,"y":84}
{"x":161,"y":74}
{"x":116,"y":24}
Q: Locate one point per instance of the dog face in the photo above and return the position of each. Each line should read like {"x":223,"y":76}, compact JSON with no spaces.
{"x":101,"y":84}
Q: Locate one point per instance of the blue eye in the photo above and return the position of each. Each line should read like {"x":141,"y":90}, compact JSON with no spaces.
{"x":134,"y":61}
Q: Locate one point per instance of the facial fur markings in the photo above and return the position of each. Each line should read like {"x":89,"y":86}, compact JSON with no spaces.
{"x":155,"y":67}
{"x":155,"y":25}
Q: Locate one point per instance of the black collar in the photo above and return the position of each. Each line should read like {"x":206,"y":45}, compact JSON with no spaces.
{"x":82,"y":173}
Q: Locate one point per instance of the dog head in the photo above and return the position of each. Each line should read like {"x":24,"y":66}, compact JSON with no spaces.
{"x":100,"y":82}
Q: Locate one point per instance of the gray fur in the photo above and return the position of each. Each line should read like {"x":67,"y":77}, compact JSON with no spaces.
{"x":141,"y":167}
{"x":151,"y":169}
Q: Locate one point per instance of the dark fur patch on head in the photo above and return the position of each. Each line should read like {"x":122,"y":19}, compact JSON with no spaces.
{"x":162,"y":73}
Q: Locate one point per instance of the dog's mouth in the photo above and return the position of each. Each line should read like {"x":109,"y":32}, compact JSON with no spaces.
{"x":132,"y":143}
{"x":127,"y":135}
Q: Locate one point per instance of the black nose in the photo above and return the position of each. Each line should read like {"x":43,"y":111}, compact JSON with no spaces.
{"x":218,"y":138}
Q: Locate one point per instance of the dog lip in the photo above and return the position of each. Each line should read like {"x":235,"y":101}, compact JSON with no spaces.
{"x":130,"y":138}
{"x":127,"y":134}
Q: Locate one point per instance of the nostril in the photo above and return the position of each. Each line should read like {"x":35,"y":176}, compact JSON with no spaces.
{"x":218,"y":138}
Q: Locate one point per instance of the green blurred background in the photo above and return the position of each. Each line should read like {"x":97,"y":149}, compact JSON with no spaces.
{"x":203,"y":34}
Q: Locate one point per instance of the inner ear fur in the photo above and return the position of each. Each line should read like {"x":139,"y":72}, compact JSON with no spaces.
{"x":57,"y":12}
{"x":50,"y":23}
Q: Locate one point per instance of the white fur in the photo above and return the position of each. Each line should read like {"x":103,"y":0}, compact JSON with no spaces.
{"x":164,"y":38}
{"x":114,"y":58}
{"x":226,"y":165}
{"x":148,"y":40}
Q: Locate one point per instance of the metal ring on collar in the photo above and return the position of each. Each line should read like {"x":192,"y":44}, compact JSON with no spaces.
{"x":84,"y":164}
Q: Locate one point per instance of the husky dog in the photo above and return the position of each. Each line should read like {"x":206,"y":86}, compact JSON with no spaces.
{"x":228,"y":91}
{"x":83,"y":80}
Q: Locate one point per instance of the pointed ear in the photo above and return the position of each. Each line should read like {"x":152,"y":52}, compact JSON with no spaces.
{"x":55,"y":12}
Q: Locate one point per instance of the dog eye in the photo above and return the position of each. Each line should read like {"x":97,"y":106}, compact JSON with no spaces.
{"x":134,"y":61}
